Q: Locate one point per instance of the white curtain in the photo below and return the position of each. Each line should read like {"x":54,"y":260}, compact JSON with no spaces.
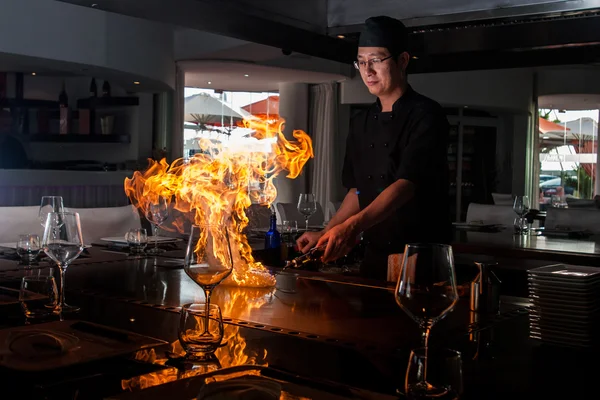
{"x":322,"y":127}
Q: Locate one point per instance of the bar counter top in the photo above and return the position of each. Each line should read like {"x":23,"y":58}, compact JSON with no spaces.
{"x":349,"y":338}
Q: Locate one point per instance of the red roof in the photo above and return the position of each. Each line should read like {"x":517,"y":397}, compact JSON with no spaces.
{"x":269,"y":106}
{"x":548,"y":126}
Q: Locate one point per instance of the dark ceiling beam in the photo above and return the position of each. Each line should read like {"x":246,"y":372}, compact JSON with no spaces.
{"x":222,"y":18}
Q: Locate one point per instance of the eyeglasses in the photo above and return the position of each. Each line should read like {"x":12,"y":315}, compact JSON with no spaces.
{"x":373,"y":62}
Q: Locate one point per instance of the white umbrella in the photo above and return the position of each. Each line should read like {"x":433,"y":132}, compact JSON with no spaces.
{"x":203,"y":109}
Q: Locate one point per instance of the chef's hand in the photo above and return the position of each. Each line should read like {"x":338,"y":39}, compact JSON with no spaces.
{"x":340,"y":239}
{"x":308,"y":240}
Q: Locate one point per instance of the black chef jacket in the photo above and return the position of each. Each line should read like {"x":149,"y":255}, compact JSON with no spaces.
{"x":410,"y":142}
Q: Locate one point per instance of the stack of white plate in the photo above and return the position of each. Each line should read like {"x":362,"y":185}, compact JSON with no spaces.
{"x":565,"y":305}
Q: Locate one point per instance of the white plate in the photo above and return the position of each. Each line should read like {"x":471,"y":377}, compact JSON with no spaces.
{"x":566,"y":271}
{"x":151,"y":239}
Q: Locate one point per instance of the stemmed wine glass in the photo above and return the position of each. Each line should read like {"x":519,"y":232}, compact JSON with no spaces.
{"x":50,"y":204}
{"x":157,"y":213}
{"x":307,"y":206}
{"x":208,"y":260}
{"x":521,"y":205}
{"x":426,"y":291}
{"x":63,"y":243}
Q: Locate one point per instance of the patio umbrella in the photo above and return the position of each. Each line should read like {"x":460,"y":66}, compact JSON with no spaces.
{"x":203,"y":109}
{"x":268,"y":106}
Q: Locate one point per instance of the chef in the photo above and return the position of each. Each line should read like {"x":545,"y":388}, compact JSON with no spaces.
{"x":395,"y":167}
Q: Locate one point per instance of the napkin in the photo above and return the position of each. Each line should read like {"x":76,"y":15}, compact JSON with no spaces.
{"x":244,"y":388}
{"x":37,"y":344}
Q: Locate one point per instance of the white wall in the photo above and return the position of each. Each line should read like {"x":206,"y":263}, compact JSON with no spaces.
{"x":86,"y":37}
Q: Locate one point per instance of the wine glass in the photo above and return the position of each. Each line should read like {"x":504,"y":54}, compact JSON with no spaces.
{"x":521,"y":205}
{"x":208,"y":260}
{"x":445,"y":371}
{"x":307,"y":206}
{"x":63,"y":243}
{"x":157,"y":213}
{"x":426,"y":290}
{"x":50,"y":204}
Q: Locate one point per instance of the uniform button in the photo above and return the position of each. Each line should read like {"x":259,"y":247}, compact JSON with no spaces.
{"x":369,"y":177}
{"x":385,"y":145}
{"x":389,"y":243}
{"x":375,"y":116}
{"x":382,"y":176}
{"x":392,"y":116}
{"x":372,"y":145}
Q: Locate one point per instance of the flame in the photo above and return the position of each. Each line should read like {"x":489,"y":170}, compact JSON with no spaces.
{"x":217,"y":186}
{"x":233,"y":353}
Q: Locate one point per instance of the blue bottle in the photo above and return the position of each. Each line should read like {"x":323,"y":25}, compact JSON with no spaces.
{"x":273,"y":237}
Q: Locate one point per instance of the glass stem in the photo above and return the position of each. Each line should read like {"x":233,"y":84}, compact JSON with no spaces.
{"x":207,"y":293}
{"x":306,"y":220}
{"x":61,"y":293}
{"x":155,"y":230}
{"x":425,"y":344}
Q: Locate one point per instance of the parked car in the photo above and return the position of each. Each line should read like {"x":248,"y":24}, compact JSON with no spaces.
{"x":549,"y":187}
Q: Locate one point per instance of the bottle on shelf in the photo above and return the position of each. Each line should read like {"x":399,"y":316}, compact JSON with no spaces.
{"x":106,"y":89}
{"x":273,"y":242}
{"x":93,"y":88}
{"x":63,"y":99}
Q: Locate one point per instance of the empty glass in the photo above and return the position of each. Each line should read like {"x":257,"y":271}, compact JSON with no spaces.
{"x":444,"y":372}
{"x":63,"y":243}
{"x":137,"y":240}
{"x":521,"y":226}
{"x":200,"y":336}
{"x":521,"y":205}
{"x":28,"y":248}
{"x":38,"y":294}
{"x":157,"y":213}
{"x":50,"y":204}
{"x":307,"y":206}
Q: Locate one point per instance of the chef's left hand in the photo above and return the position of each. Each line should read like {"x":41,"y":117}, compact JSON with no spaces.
{"x":340,"y":239}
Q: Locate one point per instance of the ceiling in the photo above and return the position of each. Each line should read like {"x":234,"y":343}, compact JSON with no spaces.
{"x":231,"y":75}
{"x":570,"y":101}
{"x":445,"y":35}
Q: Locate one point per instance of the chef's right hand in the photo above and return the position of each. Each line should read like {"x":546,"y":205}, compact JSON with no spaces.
{"x":308,"y":240}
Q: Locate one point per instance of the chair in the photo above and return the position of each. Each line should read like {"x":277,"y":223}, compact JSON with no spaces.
{"x":501,"y":199}
{"x":97,"y":223}
{"x":574,"y":219}
{"x":289,"y":212}
{"x":490,"y":214}
{"x":19,"y":221}
{"x":573,"y":202}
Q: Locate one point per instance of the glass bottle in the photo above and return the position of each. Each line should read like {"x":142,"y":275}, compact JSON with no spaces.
{"x":93,"y":88}
{"x":273,"y":237}
{"x":63,"y":99}
{"x":106,"y":89}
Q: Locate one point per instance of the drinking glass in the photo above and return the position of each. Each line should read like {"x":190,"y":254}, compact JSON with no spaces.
{"x":28,"y":248}
{"x":521,"y":205}
{"x":63,"y":243}
{"x":50,"y":204}
{"x":426,"y":288}
{"x":307,"y":206}
{"x":37,"y":291}
{"x":444,"y":372}
{"x":208,"y":260}
{"x":157,"y":213}
{"x":137,"y":240}
{"x":200,"y":336}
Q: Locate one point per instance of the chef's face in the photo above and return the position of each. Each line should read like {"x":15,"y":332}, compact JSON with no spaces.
{"x":381,"y":75}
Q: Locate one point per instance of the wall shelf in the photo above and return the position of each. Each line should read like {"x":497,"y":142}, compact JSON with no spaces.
{"x":75,"y":138}
{"x":105,"y":102}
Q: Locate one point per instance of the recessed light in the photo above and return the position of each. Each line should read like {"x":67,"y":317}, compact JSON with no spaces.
{"x":415,"y":57}
{"x":209,"y":82}
{"x":33,"y":74}
{"x":341,"y":37}
{"x":246,"y":75}
{"x":545,"y":137}
{"x":466,"y":106}
{"x":136,"y":83}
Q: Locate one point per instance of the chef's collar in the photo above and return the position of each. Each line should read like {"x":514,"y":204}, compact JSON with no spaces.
{"x":398,"y":104}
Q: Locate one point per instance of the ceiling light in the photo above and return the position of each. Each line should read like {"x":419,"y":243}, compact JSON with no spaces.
{"x":33,"y":73}
{"x":415,"y":57}
{"x":341,"y":36}
{"x":136,"y":83}
{"x":209,"y":82}
{"x":545,"y":137}
{"x":246,"y":75}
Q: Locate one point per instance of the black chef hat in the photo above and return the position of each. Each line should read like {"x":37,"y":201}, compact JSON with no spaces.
{"x":384,"y":32}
